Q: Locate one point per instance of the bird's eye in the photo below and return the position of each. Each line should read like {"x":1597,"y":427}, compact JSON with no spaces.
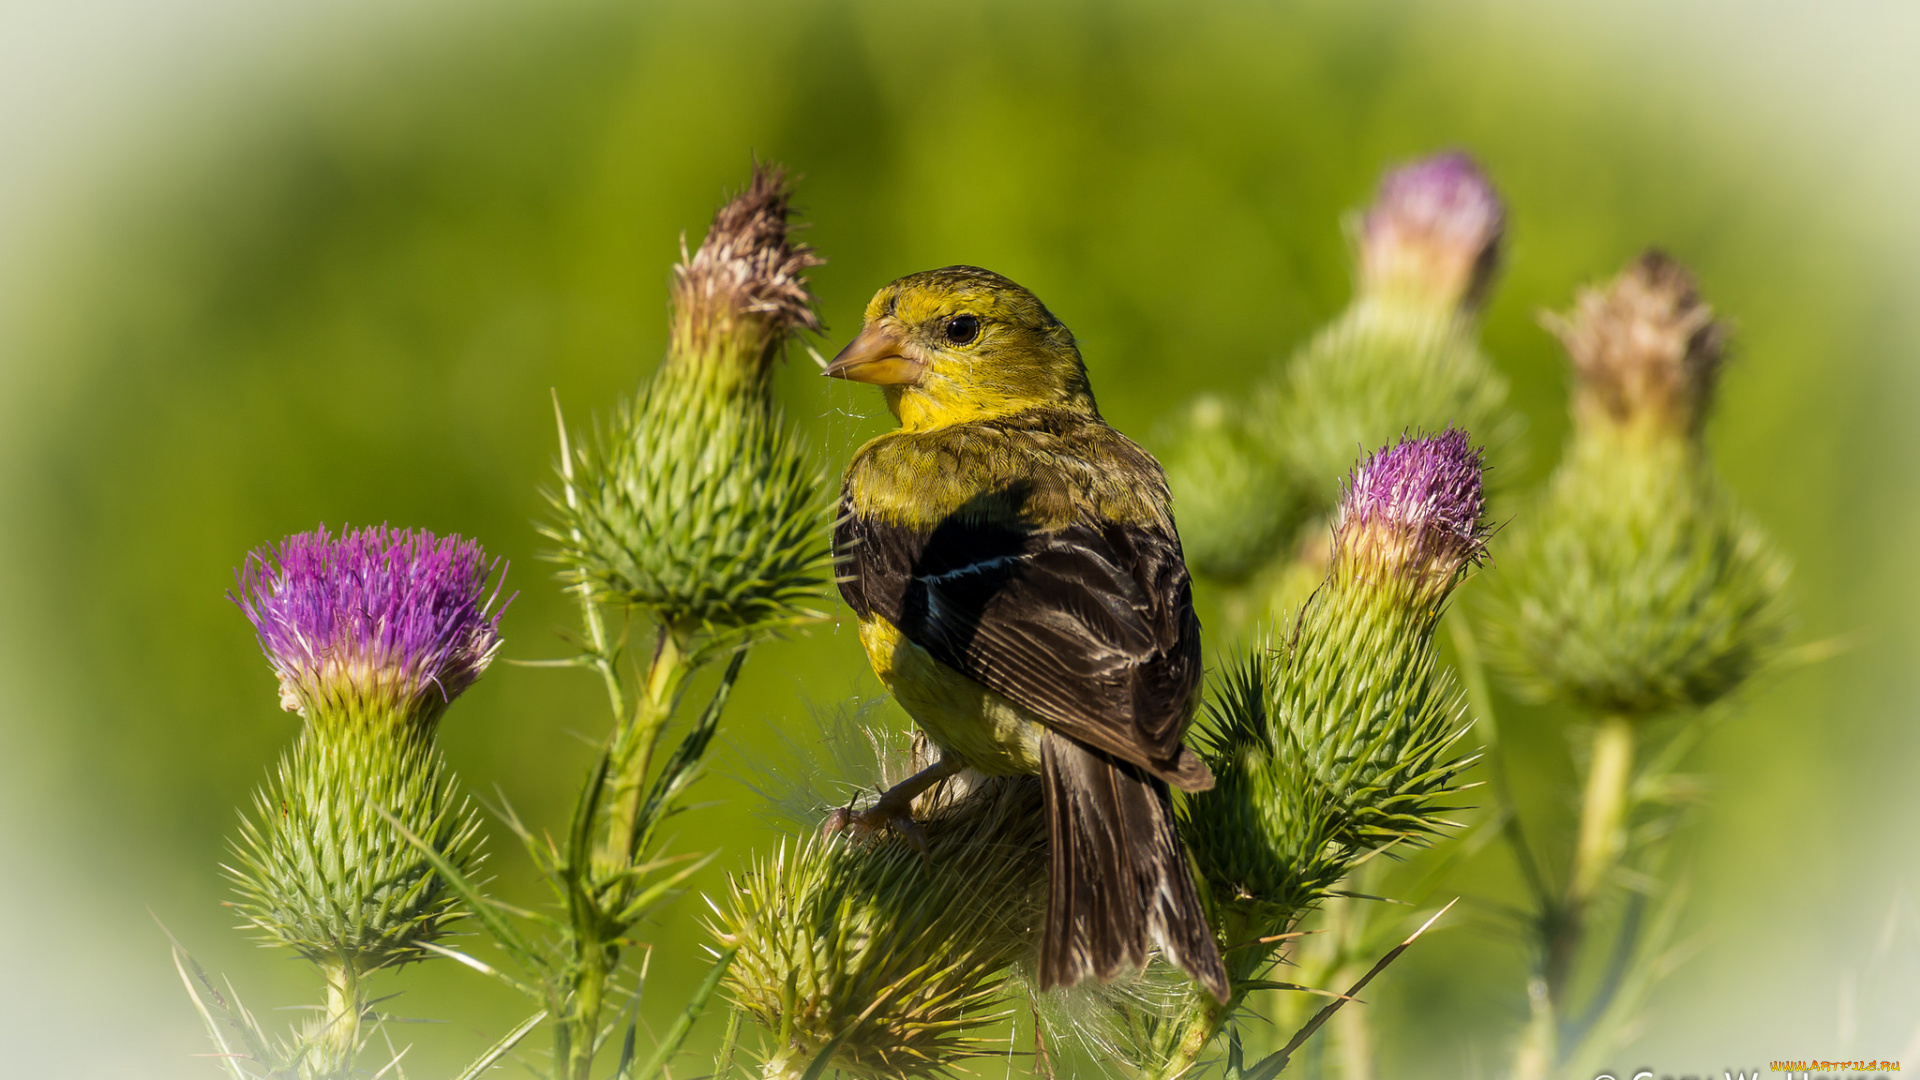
{"x":962,"y":329}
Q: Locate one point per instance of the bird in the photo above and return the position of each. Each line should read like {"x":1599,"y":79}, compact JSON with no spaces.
{"x":1019,"y":585}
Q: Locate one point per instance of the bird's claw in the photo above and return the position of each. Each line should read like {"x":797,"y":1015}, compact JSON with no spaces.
{"x":880,"y":816}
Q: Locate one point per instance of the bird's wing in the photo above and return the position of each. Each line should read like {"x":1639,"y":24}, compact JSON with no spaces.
{"x":1090,"y":628}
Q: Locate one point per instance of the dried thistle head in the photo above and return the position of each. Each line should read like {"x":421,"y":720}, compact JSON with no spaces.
{"x":885,"y":957}
{"x":1635,"y":585}
{"x":1433,"y":233}
{"x":1645,"y":347}
{"x":743,"y":293}
{"x":702,"y":507}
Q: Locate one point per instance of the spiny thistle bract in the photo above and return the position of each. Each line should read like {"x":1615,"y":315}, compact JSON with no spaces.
{"x":1404,"y":355}
{"x":701,"y":506}
{"x":319,"y":870}
{"x":887,"y":957}
{"x":1635,"y":585}
{"x":1340,"y":739}
{"x":373,"y":635}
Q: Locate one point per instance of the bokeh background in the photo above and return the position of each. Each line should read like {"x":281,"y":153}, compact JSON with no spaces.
{"x":263,"y":266}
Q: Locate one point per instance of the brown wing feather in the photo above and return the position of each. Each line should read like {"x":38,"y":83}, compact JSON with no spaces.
{"x":1090,"y":628}
{"x":1119,"y":882}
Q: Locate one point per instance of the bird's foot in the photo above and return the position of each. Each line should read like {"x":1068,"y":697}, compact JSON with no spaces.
{"x":894,"y":809}
{"x":889,"y":813}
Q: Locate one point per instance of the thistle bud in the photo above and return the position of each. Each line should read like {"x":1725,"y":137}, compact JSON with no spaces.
{"x":700,"y":506}
{"x":886,"y":957}
{"x":372,"y":634}
{"x":1432,"y":236}
{"x":1340,"y":739}
{"x":1636,"y":585}
{"x":1645,"y":349}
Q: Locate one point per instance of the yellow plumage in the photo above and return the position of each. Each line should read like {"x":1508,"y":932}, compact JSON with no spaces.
{"x":1015,"y":568}
{"x":992,"y":734}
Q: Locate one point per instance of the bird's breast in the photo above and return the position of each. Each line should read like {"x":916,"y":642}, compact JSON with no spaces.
{"x":988,"y":732}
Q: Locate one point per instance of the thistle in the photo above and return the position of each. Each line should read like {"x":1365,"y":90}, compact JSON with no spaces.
{"x":1646,"y":351}
{"x":738,"y":299}
{"x":1256,"y":487}
{"x":377,"y":627}
{"x":882,"y":957}
{"x":700,"y":507}
{"x":1405,"y":353}
{"x":372,"y":634}
{"x":1339,"y":740}
{"x":1432,"y":236}
{"x":1636,"y":585}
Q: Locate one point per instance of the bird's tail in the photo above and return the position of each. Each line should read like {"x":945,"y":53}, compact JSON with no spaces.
{"x":1119,"y":882}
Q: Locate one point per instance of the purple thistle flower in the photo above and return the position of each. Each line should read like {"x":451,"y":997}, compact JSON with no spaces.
{"x":1416,"y":507}
{"x":1435,"y":229}
{"x":380,"y":618}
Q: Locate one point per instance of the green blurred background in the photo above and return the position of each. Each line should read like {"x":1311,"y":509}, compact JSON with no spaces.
{"x":262,"y":272}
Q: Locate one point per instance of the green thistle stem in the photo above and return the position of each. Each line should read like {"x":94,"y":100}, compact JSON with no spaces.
{"x":1602,"y":838}
{"x":635,"y":739}
{"x":337,"y":1042}
{"x":1601,"y":841}
{"x":723,"y":1062}
{"x":1353,"y":1031}
{"x":1204,"y":1018}
{"x":575,"y":1038}
{"x":1473,"y":675}
{"x":1603,"y":815}
{"x":575,"y":1035}
{"x":636,"y":742}
{"x":1202,"y":1027}
{"x":1539,"y":1044}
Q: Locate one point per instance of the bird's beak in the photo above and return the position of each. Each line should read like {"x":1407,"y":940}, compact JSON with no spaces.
{"x":877,"y":356}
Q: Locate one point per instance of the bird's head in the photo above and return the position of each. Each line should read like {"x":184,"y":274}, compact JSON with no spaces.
{"x":963,"y":344}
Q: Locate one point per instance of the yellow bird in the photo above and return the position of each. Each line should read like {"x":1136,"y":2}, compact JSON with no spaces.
{"x":1018,"y":579}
